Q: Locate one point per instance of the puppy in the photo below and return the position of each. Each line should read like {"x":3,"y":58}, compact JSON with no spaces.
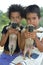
{"x":28,"y":43}
{"x":12,"y":38}
{"x":12,"y":43}
{"x":28,"y":47}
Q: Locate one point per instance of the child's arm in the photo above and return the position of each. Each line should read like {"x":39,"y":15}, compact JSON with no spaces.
{"x":3,"y":39}
{"x":39,"y":44}
{"x":22,"y":41}
{"x":19,"y":39}
{"x":5,"y":36}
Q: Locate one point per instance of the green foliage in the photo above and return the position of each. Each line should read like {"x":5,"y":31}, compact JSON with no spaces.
{"x":3,"y":20}
{"x":41,"y":22}
{"x":41,"y":11}
{"x":23,"y":22}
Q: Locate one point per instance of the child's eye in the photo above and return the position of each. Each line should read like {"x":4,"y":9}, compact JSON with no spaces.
{"x":34,"y":18}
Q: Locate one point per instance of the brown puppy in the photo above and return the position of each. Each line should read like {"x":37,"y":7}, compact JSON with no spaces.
{"x":13,"y":38}
{"x":28,"y":43}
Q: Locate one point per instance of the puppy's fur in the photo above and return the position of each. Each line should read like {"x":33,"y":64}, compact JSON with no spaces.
{"x":12,"y":43}
{"x":28,"y":47}
{"x":13,"y":39}
{"x":28,"y":44}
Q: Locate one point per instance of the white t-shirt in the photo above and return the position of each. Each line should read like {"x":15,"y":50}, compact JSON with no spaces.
{"x":40,"y":34}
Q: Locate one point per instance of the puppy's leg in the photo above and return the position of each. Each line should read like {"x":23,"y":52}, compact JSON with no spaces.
{"x":24,"y":54}
{"x":30,"y":52}
{"x":10,"y":49}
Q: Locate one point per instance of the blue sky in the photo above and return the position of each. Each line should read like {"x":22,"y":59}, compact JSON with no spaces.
{"x":4,"y":4}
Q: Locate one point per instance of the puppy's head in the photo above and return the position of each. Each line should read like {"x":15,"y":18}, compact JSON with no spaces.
{"x":30,"y":28}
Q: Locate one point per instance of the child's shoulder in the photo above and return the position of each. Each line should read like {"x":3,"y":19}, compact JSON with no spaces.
{"x":5,"y":26}
{"x":40,"y":29}
{"x":40,"y":34}
{"x":4,"y":30}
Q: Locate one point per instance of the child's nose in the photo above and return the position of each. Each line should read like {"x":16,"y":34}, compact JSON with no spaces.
{"x":15,"y":19}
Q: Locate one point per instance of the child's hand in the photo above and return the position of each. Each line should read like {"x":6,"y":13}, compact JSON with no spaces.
{"x":27,"y":34}
{"x":30,"y":35}
{"x":33,"y":35}
{"x":12,"y":31}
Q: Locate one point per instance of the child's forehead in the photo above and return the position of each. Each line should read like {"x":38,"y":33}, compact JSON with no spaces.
{"x":15,"y":12}
{"x":31,"y":14}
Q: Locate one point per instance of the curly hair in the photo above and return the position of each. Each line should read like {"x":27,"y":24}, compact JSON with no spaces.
{"x":15,"y":8}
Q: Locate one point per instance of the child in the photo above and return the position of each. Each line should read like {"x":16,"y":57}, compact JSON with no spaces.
{"x":32,"y":15}
{"x":15,"y":15}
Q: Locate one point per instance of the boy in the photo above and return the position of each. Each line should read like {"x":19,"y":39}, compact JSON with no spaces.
{"x":32,"y":15}
{"x":15,"y":14}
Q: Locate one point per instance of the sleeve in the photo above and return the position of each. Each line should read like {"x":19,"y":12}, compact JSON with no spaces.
{"x":40,"y":36}
{"x":4,"y":31}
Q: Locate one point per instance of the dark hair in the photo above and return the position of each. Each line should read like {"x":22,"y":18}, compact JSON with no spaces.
{"x":32,"y":9}
{"x":15,"y":8}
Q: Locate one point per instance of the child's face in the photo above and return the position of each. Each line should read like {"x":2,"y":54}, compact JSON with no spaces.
{"x":32,"y":18}
{"x":15,"y":17}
